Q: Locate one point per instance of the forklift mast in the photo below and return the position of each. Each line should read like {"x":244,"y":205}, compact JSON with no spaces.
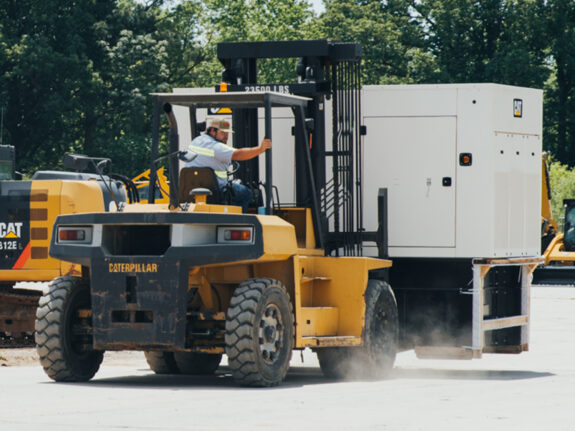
{"x":325,"y":70}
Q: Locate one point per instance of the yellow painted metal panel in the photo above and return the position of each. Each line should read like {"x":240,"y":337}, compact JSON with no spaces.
{"x":278,"y":238}
{"x":202,"y":207}
{"x":48,"y":200}
{"x":30,"y":274}
{"x":319,"y":321}
{"x":44,"y":208}
{"x":338,"y":282}
{"x":81,"y":197}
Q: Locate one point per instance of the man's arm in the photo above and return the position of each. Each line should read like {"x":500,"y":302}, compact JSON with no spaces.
{"x":249,"y":153}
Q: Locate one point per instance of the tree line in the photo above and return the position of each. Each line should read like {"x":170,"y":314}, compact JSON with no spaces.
{"x":75,"y":74}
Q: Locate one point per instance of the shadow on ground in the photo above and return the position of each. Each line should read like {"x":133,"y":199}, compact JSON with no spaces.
{"x":299,"y":377}
{"x":435,"y":374}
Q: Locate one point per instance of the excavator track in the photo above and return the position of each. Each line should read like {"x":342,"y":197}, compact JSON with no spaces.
{"x":17,"y":317}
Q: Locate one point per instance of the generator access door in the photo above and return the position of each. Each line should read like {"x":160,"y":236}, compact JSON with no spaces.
{"x":415,"y":158}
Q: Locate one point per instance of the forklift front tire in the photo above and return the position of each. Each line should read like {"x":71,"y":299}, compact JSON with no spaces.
{"x":259,"y":332}
{"x":64,"y":333}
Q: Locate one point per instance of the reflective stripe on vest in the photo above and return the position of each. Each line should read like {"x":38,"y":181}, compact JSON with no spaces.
{"x":208,"y":153}
{"x":202,"y":151}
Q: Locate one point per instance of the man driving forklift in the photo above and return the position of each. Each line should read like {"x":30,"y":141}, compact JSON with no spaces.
{"x":211,"y":151}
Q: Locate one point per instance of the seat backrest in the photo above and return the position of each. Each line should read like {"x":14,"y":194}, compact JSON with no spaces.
{"x":194,"y":178}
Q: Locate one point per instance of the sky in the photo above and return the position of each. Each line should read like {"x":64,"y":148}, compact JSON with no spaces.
{"x":318,"y":6}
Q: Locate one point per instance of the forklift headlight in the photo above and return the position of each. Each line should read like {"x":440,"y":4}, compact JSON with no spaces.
{"x":235,"y":234}
{"x":75,"y":235}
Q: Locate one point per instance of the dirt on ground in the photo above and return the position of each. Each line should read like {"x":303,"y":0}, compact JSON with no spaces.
{"x":29,"y":357}
{"x":18,"y":357}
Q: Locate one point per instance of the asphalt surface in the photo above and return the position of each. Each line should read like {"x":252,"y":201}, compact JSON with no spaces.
{"x":530,"y":391}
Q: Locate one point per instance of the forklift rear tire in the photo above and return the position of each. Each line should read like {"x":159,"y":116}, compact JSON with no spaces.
{"x":63,"y":335}
{"x":162,"y":362}
{"x":376,"y":357}
{"x":259,"y":332}
{"x":194,"y":363}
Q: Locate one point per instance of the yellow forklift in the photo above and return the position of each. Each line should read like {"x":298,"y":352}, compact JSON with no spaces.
{"x":186,"y":282}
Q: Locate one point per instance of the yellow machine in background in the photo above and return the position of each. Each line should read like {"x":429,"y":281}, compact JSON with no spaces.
{"x":28,"y":210}
{"x":162,"y":190}
{"x":557,"y":248}
{"x":549,"y":227}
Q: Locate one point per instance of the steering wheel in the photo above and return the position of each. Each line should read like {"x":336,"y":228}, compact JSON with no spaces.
{"x":235,"y":166}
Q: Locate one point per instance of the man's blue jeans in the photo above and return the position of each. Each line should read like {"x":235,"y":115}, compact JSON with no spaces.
{"x":241,"y":195}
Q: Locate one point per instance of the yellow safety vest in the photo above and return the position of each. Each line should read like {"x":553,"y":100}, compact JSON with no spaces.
{"x":208,"y":153}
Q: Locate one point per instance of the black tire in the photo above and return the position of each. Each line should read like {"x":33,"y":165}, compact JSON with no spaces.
{"x":259,"y":332}
{"x":376,"y":357}
{"x":162,"y":362}
{"x":63,"y":338}
{"x":194,"y":363}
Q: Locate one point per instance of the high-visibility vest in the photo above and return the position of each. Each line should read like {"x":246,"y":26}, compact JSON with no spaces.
{"x":207,"y":152}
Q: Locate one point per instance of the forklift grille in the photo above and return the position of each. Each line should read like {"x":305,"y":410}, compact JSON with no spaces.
{"x":137,"y":240}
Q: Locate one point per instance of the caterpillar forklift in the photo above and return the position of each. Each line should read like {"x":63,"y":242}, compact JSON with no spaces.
{"x":28,"y":208}
{"x":189,"y":281}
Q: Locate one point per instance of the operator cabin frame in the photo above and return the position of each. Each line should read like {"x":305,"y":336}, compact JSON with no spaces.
{"x":163,"y":102}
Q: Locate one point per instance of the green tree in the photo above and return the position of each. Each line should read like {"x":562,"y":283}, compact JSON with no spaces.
{"x":562,"y":184}
{"x":185,"y":29}
{"x":45,"y":47}
{"x":393,"y":49}
{"x":75,"y":77}
{"x":560,"y":89}
{"x":500,"y":41}
{"x":259,"y":20}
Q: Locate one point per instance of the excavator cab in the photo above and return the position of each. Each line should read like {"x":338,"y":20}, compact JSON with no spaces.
{"x":7,"y":162}
{"x":569,"y":235}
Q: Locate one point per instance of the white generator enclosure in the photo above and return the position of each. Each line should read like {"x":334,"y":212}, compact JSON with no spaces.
{"x":462,"y":165}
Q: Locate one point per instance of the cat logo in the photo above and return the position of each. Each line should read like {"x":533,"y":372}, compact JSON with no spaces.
{"x":219,"y":111}
{"x":518,"y":108}
{"x":10,"y":230}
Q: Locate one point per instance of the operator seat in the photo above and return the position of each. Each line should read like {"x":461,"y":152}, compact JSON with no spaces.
{"x":194,"y":178}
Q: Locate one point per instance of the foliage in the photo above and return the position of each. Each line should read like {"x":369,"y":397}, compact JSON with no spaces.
{"x":260,"y":20}
{"x":486,"y":41}
{"x":562,"y":183}
{"x":76,"y":76}
{"x":560,"y":89}
{"x":392,"y":43}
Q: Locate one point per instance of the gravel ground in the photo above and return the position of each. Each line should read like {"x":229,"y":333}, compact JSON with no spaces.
{"x":29,"y":357}
{"x":532,"y":391}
